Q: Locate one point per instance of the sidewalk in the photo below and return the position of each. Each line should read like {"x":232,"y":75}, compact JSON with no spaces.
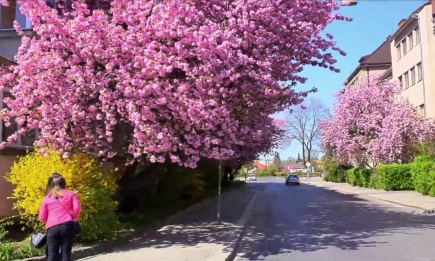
{"x":190,"y":235}
{"x":405,"y":198}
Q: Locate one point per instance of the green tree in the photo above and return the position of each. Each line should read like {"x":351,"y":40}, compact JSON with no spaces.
{"x":277,"y":161}
{"x":272,"y":170}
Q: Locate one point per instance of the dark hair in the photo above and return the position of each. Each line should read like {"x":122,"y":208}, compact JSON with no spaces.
{"x":55,"y":184}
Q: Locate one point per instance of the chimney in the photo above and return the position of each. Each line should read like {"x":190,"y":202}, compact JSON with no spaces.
{"x":402,"y":22}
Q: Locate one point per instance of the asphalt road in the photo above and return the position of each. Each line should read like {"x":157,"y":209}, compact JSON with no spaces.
{"x":307,"y":223}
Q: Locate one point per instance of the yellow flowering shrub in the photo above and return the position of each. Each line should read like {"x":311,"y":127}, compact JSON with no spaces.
{"x":95,"y":187}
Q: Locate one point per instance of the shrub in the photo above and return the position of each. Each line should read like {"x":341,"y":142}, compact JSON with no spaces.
{"x":272,"y":170}
{"x":334,"y":172}
{"x":374,"y":181}
{"x":396,"y":177}
{"x":423,"y":174}
{"x":353,"y":177}
{"x":82,"y":173}
{"x":262,"y":173}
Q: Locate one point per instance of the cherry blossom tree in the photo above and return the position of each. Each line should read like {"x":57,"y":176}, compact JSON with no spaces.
{"x":179,"y":79}
{"x":374,"y":124}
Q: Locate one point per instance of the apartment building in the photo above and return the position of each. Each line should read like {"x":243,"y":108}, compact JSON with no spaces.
{"x":374,"y":64}
{"x":9,"y":39}
{"x":413,"y":58}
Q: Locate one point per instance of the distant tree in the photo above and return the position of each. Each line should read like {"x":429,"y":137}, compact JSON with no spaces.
{"x":277,"y":161}
{"x":272,"y":170}
{"x":303,"y":126}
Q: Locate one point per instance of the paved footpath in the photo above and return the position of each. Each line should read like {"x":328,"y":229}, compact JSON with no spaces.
{"x":406,"y":198}
{"x":195,"y":235}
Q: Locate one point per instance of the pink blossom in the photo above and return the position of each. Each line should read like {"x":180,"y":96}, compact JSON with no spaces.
{"x":166,"y":77}
{"x":372,"y":123}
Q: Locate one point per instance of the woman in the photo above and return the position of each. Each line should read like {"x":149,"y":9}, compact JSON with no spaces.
{"x":59,"y":210}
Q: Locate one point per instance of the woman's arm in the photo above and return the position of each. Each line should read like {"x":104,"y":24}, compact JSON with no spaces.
{"x":77,"y":208}
{"x":43,"y":212}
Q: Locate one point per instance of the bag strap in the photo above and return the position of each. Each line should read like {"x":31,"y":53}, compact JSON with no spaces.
{"x":65,"y":209}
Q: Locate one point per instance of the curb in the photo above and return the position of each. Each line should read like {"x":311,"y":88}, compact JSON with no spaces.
{"x":425,"y":210}
{"x":243,"y":222}
{"x":103,"y":247}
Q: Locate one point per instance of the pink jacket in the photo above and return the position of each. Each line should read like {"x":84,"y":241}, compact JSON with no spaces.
{"x":53,"y":213}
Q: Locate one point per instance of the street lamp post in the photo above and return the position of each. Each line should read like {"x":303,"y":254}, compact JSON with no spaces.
{"x":349,"y":2}
{"x":219,"y":221}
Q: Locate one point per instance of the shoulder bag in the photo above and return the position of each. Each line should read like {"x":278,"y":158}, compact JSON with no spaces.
{"x":38,"y":240}
{"x":77,"y":226}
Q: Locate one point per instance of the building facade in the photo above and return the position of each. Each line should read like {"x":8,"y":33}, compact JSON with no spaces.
{"x":10,"y":41}
{"x":413,"y":58}
{"x":372,"y":65}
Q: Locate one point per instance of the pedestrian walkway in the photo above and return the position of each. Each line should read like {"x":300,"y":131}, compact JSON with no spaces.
{"x":195,"y":235}
{"x":406,"y":198}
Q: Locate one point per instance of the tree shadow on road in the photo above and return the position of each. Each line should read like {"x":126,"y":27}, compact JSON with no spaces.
{"x":323,"y":219}
{"x":329,"y":219}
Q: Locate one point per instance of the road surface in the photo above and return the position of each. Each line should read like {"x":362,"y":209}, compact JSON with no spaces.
{"x":307,"y":223}
{"x":288,"y":223}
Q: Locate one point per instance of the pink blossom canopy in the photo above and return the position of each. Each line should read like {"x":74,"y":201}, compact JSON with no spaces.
{"x":165,"y":78}
{"x":373,"y":123}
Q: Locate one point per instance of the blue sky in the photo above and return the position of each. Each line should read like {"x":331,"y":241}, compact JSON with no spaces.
{"x":373,"y":21}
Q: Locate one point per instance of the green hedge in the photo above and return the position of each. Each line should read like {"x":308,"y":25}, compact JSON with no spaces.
{"x":423,"y":173}
{"x":359,"y":177}
{"x":334,"y":173}
{"x":396,"y":177}
{"x":374,"y":181}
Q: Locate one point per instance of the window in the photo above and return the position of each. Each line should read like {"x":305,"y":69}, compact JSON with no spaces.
{"x":412,"y":76}
{"x":417,"y":35}
{"x":25,"y":140}
{"x":401,"y":82}
{"x":13,"y":127}
{"x":411,"y":41}
{"x":7,"y":15}
{"x":406,"y":79}
{"x":399,"y":52}
{"x":404,"y":47}
{"x":419,"y":72}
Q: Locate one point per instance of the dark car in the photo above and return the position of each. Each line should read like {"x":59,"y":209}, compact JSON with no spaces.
{"x":292,"y":179}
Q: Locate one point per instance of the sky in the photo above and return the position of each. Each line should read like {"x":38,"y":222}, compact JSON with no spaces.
{"x":373,"y":21}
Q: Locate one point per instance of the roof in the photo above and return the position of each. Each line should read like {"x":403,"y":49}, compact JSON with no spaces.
{"x":379,"y":57}
{"x":259,"y":166}
{"x":317,"y":161}
{"x":6,"y":61}
{"x":408,"y":20}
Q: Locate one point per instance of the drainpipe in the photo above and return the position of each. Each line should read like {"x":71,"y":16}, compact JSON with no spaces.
{"x":415,"y":16}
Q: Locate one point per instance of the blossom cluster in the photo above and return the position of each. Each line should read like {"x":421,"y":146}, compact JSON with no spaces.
{"x":179,"y":79}
{"x":374,"y":123}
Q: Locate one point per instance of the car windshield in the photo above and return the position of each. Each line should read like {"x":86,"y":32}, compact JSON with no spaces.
{"x":292,"y":176}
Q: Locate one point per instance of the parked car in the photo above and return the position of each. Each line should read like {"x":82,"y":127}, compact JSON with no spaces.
{"x":251,"y":177}
{"x":292,"y":179}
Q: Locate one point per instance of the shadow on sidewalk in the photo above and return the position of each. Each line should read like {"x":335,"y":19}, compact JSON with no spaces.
{"x":198,"y":226}
{"x":308,"y":219}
